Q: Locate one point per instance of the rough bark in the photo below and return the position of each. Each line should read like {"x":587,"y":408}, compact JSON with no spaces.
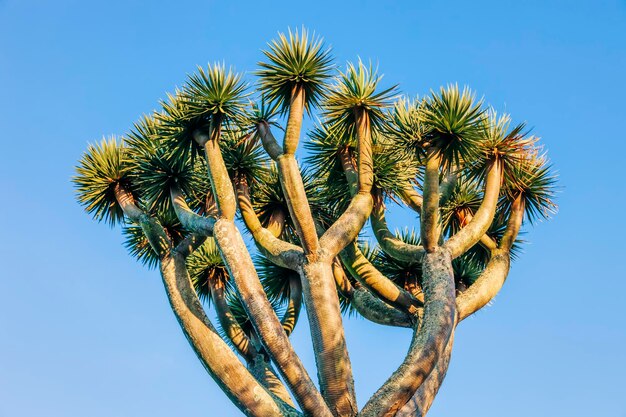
{"x":420,"y":402}
{"x":429,"y":339}
{"x":264,"y":319}
{"x":331,"y":354}
{"x":478,"y":226}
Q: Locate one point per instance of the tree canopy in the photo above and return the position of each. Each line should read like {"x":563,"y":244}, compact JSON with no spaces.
{"x":186,"y":179}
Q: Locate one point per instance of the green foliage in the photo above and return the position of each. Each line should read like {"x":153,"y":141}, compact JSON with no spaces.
{"x":453,"y":120}
{"x":406,"y":127}
{"x":160,"y":152}
{"x":356,"y":89}
{"x":245,"y":159}
{"x":205,"y":265}
{"x":500,"y":142}
{"x":533,"y":179}
{"x":176,"y":128}
{"x":297,"y":59}
{"x":102,"y":167}
{"x":214,"y":93}
{"x":275,"y":279}
{"x":138,"y":246}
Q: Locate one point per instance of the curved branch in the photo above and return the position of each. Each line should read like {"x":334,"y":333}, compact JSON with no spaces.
{"x":264,"y":319}
{"x":492,"y":278}
{"x":367,"y":305}
{"x":429,"y":339}
{"x":429,"y":218}
{"x":271,"y":146}
{"x":294,"y":120}
{"x":276,"y":250}
{"x":412,"y":198}
{"x":290,"y":318}
{"x":367,"y":274}
{"x":347,"y":227}
{"x":218,"y":359}
{"x":191,"y":221}
{"x":233,"y":330}
{"x":154,"y":232}
{"x":423,"y":398}
{"x":218,"y":174}
{"x":468,"y":236}
{"x":390,"y":244}
{"x":376,"y":310}
{"x":297,"y":202}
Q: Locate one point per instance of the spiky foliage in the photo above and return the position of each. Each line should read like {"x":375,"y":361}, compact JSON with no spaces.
{"x":101,"y":168}
{"x":161,"y":152}
{"x":156,"y":173}
{"x":466,"y":269}
{"x":137,"y":243}
{"x":453,"y":120}
{"x":406,"y":126}
{"x":401,"y":272}
{"x":243,"y":156}
{"x":298,"y":59}
{"x":275,"y":279}
{"x":215,"y":92}
{"x":256,"y":112}
{"x":356,"y":89}
{"x":463,"y":203}
{"x":206,"y":265}
{"x":500,"y":142}
{"x":393,"y":167}
{"x":176,"y":127}
{"x":533,"y":178}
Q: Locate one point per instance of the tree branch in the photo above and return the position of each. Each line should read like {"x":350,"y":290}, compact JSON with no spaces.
{"x":364,"y":272}
{"x":392,"y":246}
{"x":468,"y":236}
{"x":492,"y":278}
{"x":191,"y":221}
{"x":271,"y":146}
{"x":347,"y":227}
{"x":423,"y":398}
{"x":429,"y":219}
{"x":264,"y":319}
{"x":429,"y":339}
{"x":276,"y":250}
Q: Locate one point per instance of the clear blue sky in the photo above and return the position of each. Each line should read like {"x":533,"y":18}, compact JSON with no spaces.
{"x":85,"y":331}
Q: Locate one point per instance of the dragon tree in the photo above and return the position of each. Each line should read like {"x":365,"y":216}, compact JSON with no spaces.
{"x":247,"y":231}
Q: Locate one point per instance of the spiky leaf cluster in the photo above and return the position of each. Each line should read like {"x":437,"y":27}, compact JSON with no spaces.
{"x":356,"y":89}
{"x":275,"y":279}
{"x":509,"y":146}
{"x":297,"y":59}
{"x":453,"y":119}
{"x":244,"y":158}
{"x":533,"y":179}
{"x":406,"y":127}
{"x":138,"y":246}
{"x":206,"y":265}
{"x":214,"y":93}
{"x":101,"y":168}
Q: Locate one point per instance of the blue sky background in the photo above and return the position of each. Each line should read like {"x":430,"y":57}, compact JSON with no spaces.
{"x":85,"y":331}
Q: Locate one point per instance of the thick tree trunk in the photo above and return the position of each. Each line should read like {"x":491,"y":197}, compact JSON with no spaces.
{"x":329,"y":344}
{"x":429,"y":341}
{"x":218,"y":359}
{"x":264,"y":319}
{"x":423,"y":398}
